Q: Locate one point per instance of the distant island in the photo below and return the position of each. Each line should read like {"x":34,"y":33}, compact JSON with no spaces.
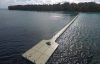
{"x":81,"y":7}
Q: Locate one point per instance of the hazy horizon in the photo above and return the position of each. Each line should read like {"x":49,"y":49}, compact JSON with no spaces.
{"x":6,"y":3}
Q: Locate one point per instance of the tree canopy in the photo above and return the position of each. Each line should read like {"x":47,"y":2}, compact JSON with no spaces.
{"x":83,"y":7}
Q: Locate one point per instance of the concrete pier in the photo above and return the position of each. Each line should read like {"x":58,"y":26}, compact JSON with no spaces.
{"x":41,"y":52}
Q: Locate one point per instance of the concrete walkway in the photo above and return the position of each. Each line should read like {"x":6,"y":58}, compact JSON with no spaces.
{"x":41,"y":52}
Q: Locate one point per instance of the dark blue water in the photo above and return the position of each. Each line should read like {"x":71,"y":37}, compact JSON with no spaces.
{"x":80,"y":43}
{"x":21,"y":30}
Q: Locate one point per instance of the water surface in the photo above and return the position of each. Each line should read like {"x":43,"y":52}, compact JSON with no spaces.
{"x":80,"y":43}
{"x":21,"y":30}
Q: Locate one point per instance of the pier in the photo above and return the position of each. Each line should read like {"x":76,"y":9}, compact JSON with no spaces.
{"x":42,"y":51}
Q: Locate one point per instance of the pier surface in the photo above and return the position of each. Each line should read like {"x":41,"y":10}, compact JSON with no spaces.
{"x":41,"y":52}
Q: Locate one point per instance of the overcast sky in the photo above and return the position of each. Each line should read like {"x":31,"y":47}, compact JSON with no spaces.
{"x":5,"y":3}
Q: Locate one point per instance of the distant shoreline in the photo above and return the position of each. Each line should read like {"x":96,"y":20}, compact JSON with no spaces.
{"x":80,"y":7}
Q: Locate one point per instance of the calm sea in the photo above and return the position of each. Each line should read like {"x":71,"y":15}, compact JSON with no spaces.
{"x":80,"y":43}
{"x":21,"y":30}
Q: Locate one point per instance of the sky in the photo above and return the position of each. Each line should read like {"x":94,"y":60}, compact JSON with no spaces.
{"x":5,"y":3}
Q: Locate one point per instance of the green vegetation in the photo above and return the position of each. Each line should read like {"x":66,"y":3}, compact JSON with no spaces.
{"x":81,"y":7}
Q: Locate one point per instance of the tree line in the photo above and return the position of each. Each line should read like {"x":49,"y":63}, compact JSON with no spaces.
{"x":82,"y":7}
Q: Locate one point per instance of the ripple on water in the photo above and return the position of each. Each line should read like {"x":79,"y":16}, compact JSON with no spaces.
{"x":75,"y":44}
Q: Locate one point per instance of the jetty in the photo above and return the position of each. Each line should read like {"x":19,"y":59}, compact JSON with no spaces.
{"x":42,"y":51}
